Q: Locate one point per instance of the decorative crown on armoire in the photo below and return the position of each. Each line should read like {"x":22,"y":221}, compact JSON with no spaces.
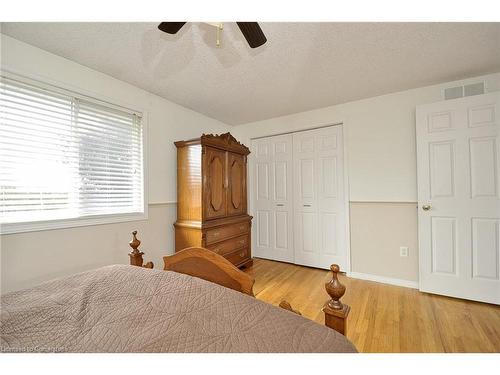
{"x":212,"y":197}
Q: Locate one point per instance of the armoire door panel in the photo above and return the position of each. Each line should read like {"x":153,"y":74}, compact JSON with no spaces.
{"x":217,"y":183}
{"x":237,"y":198}
{"x":236,"y":185}
{"x":215,"y":187}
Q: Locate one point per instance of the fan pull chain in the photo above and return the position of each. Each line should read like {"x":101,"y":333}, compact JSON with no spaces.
{"x":219,"y":29}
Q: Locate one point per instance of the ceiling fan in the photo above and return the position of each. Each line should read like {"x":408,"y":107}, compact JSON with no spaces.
{"x":250,"y":30}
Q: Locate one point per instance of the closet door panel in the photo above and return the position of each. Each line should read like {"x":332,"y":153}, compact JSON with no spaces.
{"x":299,"y":199}
{"x":283,"y":197}
{"x":305,"y":199}
{"x":263,"y":192}
{"x":273,"y":198}
{"x":320,"y":221}
{"x":331,"y":199}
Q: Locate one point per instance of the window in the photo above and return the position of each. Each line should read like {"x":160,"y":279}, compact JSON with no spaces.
{"x":64,"y":157}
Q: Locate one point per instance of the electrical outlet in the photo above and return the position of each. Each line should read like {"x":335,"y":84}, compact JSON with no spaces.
{"x":403,"y":251}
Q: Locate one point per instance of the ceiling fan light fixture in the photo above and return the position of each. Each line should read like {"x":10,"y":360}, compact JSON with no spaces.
{"x":251,"y":31}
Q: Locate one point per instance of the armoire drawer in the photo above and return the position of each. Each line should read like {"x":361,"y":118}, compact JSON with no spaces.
{"x":227,"y":231}
{"x":228,"y":246}
{"x":239,"y":256}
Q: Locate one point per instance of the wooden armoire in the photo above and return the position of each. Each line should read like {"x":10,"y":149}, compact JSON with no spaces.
{"x":212,"y":197}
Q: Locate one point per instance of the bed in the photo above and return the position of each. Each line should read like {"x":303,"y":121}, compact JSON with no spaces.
{"x":197,"y":304}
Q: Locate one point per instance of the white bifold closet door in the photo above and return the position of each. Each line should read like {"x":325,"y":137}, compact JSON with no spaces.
{"x":319,"y":203}
{"x":273,"y":198}
{"x":298,"y":198}
{"x":458,"y":164}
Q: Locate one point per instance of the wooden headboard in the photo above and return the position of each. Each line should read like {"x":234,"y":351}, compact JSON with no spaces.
{"x":207,"y":265}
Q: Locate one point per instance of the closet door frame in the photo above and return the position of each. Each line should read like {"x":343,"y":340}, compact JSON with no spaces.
{"x":250,"y":179}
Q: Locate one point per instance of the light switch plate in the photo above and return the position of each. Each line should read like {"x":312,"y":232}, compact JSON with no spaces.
{"x":403,"y":251}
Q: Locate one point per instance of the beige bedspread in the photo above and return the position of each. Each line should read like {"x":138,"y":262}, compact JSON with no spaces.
{"x":131,"y":309}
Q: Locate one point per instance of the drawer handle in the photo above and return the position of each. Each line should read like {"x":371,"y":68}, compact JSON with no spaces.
{"x":242,"y":254}
{"x":216,"y":234}
{"x":242,"y":227}
{"x":307,"y":205}
{"x":242,"y":242}
{"x":280,"y":205}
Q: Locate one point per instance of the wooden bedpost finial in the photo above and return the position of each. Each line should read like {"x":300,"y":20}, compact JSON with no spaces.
{"x":136,"y":255}
{"x":335,"y":289}
{"x":335,"y":311}
{"x":135,"y":243}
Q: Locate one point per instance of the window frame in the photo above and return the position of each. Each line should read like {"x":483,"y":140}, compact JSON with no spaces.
{"x":43,"y":225}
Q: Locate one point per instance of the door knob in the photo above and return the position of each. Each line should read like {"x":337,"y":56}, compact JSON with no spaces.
{"x":426,"y":207}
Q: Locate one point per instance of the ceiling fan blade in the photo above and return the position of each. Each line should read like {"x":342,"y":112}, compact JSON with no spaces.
{"x":252,"y":33}
{"x":171,"y":27}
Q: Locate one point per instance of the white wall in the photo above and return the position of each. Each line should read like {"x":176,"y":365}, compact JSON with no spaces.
{"x":379,"y":136}
{"x":29,"y":258}
{"x":380,"y":143}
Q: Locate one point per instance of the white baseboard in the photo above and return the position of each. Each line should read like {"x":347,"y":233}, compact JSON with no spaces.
{"x":384,"y":280}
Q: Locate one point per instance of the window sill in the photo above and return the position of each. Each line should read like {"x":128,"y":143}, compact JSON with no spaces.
{"x":36,"y":226}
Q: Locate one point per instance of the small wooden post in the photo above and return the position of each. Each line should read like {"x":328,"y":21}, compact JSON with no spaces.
{"x":285,"y":305}
{"x":335,"y":311}
{"x":136,"y":255}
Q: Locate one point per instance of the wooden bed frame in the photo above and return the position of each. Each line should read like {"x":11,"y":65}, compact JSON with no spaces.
{"x":207,"y":265}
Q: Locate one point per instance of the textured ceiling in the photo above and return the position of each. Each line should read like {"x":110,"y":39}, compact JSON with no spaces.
{"x":302,"y":66}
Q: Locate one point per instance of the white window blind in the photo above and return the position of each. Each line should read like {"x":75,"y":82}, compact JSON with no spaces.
{"x":65,"y":157}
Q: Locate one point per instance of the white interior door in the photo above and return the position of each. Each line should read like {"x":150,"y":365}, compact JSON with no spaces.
{"x":458,"y":194}
{"x":319,"y":198}
{"x":273,"y":199}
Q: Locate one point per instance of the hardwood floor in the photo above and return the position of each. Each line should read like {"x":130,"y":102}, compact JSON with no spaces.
{"x":384,"y":318}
